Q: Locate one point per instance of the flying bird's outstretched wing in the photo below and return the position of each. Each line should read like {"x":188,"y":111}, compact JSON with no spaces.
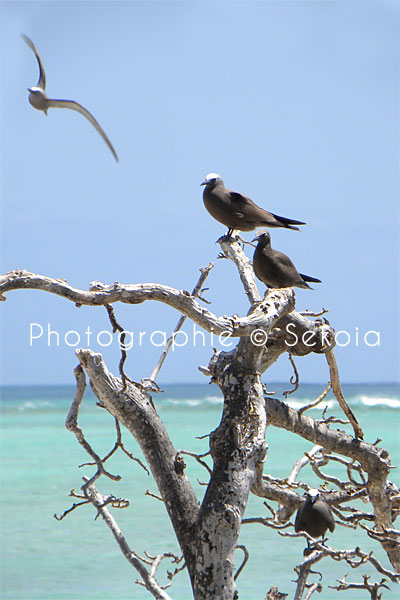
{"x":79,"y":108}
{"x":42,"y":75}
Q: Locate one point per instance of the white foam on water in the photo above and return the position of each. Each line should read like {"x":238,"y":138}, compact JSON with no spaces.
{"x":294,"y":404}
{"x":297,"y":404}
{"x":214,"y":399}
{"x":375,"y":401}
{"x":193,"y":401}
{"x":30,"y":405}
{"x":360,"y":399}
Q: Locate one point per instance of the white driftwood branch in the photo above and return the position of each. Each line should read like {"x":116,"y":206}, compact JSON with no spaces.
{"x":355,"y":558}
{"x":372,"y":588}
{"x":100,"y":294}
{"x":375,"y":462}
{"x":298,"y":465}
{"x":208,"y":534}
{"x":302,"y":462}
{"x":232,"y":250}
{"x":337,"y":390}
{"x":71,"y":424}
{"x":195,"y":293}
{"x":149,"y":581}
{"x":134,"y":409}
{"x":318,"y":400}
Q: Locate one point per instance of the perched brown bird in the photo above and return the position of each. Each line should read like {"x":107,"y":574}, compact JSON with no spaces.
{"x":274,"y":268}
{"x":39,"y":99}
{"x":314,"y":516}
{"x":236,"y":211}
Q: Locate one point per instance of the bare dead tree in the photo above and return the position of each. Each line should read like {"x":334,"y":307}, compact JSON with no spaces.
{"x":207,"y":530}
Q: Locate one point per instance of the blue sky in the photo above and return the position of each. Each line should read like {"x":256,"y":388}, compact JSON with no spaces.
{"x":295,"y":104}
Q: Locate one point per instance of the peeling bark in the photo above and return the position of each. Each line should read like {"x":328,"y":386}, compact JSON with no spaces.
{"x":374,"y":460}
{"x":208,"y":531}
{"x":136,"y":412}
{"x":237,"y":446}
{"x":100,"y":294}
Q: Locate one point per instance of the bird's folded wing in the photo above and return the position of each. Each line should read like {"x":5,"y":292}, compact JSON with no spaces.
{"x":81,"y":109}
{"x":239,"y":201}
{"x":329,"y":517}
{"x":250,"y":210}
{"x":298,"y":524}
{"x":282,"y":260}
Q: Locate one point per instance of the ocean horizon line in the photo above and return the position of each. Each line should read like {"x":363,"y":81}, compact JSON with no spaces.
{"x":198,"y":383}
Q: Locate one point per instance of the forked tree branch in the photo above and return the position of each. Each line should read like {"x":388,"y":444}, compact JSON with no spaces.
{"x":375,"y":462}
{"x":372,"y":588}
{"x":195,"y":293}
{"x":100,"y":294}
{"x":72,"y":425}
{"x":232,"y":250}
{"x":337,"y":390}
{"x":237,"y":445}
{"x":135,"y":411}
{"x":148,"y":577}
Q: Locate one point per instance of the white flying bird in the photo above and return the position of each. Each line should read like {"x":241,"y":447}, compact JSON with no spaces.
{"x":39,"y":99}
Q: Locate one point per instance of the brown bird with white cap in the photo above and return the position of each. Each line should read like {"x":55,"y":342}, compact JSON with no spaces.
{"x":236,"y":211}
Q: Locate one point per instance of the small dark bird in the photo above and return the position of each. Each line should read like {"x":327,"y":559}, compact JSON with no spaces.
{"x":236,"y":211}
{"x":314,"y":516}
{"x":274,"y":268}
{"x":39,"y":99}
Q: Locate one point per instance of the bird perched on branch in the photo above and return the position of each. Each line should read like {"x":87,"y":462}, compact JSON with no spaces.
{"x":39,"y":99}
{"x":274,"y":268}
{"x":236,"y":211}
{"x":314,"y":516}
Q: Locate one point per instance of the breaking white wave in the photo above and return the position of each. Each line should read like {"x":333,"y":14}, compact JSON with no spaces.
{"x":296,"y":403}
{"x":380,"y":397}
{"x":322,"y":405}
{"x":208,"y":400}
{"x":214,"y":399}
{"x":376,"y":401}
{"x":33,"y":405}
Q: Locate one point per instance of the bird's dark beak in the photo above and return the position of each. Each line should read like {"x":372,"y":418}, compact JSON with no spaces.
{"x":255,"y":239}
{"x":204,"y":182}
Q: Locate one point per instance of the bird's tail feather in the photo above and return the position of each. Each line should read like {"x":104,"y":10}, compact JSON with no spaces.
{"x":309,"y":278}
{"x":288,"y":222}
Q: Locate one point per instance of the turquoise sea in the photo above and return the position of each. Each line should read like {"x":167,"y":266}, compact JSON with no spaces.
{"x":77,"y":558}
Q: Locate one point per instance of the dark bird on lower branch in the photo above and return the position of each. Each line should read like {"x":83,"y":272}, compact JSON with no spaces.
{"x":314,"y":516}
{"x":236,"y":211}
{"x":40,"y":100}
{"x":274,"y":268}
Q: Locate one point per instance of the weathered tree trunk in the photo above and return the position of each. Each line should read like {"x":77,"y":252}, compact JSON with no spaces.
{"x":207,"y":532}
{"x":237,"y":446}
{"x":207,"y":536}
